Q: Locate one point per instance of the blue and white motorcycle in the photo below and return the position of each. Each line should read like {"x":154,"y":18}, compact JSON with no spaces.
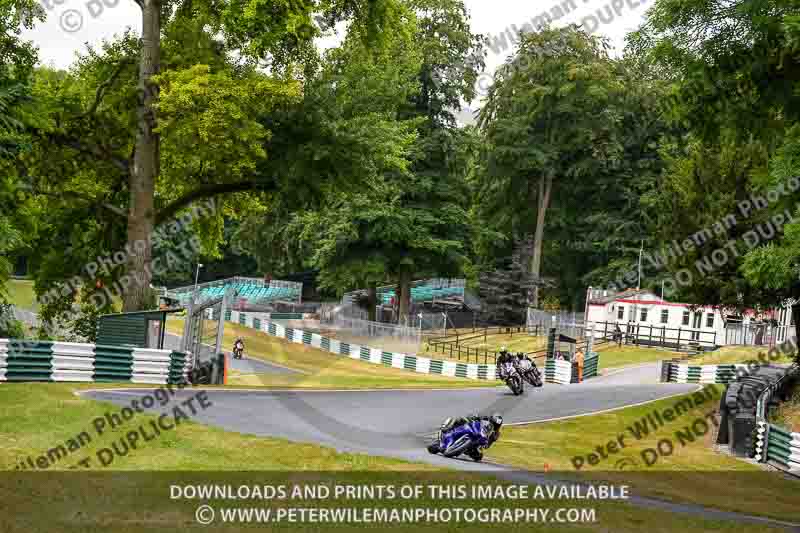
{"x":469,"y":439}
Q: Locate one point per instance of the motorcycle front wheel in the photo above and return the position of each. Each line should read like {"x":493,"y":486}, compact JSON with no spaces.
{"x":476,"y":455}
{"x":457,"y":450}
{"x":516,"y":385}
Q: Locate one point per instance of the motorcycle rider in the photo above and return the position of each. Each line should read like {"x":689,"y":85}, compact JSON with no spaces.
{"x":526,"y":366}
{"x":495,"y":423}
{"x":503,"y":357}
{"x":238,"y":347}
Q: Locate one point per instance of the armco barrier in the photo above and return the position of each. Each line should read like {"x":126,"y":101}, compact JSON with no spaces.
{"x":402,"y":361}
{"x":778,"y":446}
{"x":25,"y":360}
{"x":774,"y":444}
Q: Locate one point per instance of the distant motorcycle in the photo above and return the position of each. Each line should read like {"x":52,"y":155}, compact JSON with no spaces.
{"x":512,"y":377}
{"x":468,"y":439}
{"x":238,"y":350}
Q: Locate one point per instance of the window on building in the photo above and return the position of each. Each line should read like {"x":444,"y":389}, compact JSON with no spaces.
{"x":643,"y":315}
{"x":620,"y":312}
{"x":686,"y":318}
{"x":710,"y":320}
{"x":664,"y":316}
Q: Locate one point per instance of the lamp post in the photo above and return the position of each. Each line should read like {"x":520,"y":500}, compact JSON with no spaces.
{"x":196,"y":277}
{"x":639,"y":282}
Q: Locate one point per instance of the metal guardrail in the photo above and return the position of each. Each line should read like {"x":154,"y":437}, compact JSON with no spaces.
{"x":774,"y":444}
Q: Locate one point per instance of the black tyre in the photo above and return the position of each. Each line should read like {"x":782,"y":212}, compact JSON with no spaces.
{"x":476,"y":455}
{"x":516,"y":385}
{"x":433,"y":448}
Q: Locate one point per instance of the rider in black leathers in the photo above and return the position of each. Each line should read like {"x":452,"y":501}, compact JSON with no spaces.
{"x":495,"y":419}
{"x":528,"y":370}
{"x":238,"y":346}
{"x":503,"y":357}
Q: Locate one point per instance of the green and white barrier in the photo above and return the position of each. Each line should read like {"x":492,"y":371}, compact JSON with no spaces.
{"x":251,"y":318}
{"x":778,"y":445}
{"x":558,"y":371}
{"x":686,"y":373}
{"x":563,"y":372}
{"x":23,"y":360}
{"x":591,"y":366}
{"x":413,"y":363}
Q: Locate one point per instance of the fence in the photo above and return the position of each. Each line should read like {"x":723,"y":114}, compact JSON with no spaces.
{"x":755,"y":334}
{"x":378,"y":334}
{"x":537,"y":317}
{"x":451,"y":345}
{"x":677,"y":339}
{"x":26,"y":317}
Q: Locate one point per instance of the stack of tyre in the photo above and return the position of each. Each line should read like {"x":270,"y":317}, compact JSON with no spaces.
{"x":738,"y":424}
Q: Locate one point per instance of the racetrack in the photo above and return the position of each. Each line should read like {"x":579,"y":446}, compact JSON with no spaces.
{"x":397,"y":423}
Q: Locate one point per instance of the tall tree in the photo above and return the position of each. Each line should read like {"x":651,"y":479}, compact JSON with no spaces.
{"x":734,"y":72}
{"x":548,"y":123}
{"x":409,"y":218}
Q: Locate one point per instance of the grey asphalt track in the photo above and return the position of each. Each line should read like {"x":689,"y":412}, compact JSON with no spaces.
{"x":397,"y":423}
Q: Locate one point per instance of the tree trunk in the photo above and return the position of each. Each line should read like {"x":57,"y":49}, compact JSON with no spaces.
{"x":543,"y":202}
{"x":405,"y":296}
{"x":141,"y":213}
{"x":372,"y":301}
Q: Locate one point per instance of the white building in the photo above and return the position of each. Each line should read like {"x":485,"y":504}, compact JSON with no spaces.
{"x":646,"y":315}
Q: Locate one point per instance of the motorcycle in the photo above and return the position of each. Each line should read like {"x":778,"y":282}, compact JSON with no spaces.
{"x":238,"y":350}
{"x":530,"y":372}
{"x":512,"y":377}
{"x":468,"y":439}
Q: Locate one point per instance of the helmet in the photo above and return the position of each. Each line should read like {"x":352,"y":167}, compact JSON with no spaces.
{"x":503,"y":349}
{"x":496,"y":420}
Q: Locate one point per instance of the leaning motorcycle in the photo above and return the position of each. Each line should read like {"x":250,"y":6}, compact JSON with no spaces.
{"x":468,"y":439}
{"x":512,"y":377}
{"x":530,"y":372}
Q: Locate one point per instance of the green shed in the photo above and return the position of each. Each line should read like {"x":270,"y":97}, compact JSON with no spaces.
{"x":140,"y":329}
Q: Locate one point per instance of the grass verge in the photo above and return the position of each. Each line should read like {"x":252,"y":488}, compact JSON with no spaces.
{"x":613,"y":356}
{"x":692,"y":473}
{"x":138,"y":499}
{"x":21,"y":294}
{"x":322,"y":369}
{"x":788,"y":413}
{"x":741,"y":354}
